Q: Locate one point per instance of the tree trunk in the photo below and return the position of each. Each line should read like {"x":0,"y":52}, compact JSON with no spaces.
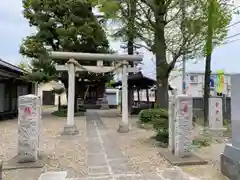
{"x":162,"y":94}
{"x":130,"y":46}
{"x":207,"y":89}
{"x":161,"y":62}
{"x":208,"y":61}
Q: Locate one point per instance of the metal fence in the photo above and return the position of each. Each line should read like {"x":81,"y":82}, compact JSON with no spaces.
{"x":198,"y":107}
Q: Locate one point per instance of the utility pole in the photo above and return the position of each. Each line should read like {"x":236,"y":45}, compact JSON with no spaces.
{"x":208,"y":60}
{"x":182,"y":6}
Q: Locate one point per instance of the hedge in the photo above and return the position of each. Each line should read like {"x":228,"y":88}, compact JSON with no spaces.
{"x":159,"y":120}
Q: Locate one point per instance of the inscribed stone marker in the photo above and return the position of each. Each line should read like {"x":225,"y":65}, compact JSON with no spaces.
{"x":183,"y":125}
{"x":29,"y":115}
{"x":215,"y":113}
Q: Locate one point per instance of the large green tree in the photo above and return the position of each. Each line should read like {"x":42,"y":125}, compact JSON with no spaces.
{"x":122,"y":17}
{"x":217,"y":12}
{"x":62,"y":25}
{"x":162,"y":28}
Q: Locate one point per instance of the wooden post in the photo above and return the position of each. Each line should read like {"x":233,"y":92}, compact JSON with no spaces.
{"x":147,"y":96}
{"x":138,"y":94}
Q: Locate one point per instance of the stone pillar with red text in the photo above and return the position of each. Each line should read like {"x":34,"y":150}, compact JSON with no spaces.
{"x":183,"y":126}
{"x":29,"y":119}
{"x":215,"y":116}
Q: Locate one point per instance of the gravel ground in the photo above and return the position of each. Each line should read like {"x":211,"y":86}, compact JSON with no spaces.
{"x":143,"y":152}
{"x":61,"y":153}
{"x":69,"y":154}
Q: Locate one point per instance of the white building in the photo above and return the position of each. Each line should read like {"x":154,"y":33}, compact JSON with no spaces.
{"x":49,"y":97}
{"x":195,"y":83}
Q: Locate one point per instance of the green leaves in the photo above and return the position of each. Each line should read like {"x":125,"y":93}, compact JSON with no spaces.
{"x":62,"y":25}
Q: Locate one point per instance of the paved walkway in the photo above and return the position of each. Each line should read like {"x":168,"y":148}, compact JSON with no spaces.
{"x":105,"y":159}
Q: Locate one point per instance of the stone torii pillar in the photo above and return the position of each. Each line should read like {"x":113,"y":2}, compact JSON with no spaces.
{"x":124,"y":127}
{"x":70,"y":128}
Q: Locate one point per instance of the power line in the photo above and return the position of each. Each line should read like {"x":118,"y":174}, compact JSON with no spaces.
{"x":234,"y":24}
{"x":228,"y":42}
{"x":238,"y":22}
{"x":235,"y":8}
{"x":232,"y":36}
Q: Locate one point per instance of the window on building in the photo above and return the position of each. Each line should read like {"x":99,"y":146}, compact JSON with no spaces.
{"x":193,"y":78}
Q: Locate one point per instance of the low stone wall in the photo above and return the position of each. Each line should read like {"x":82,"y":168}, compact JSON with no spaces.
{"x":198,"y":107}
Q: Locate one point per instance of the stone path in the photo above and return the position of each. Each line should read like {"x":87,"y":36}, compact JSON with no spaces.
{"x":105,"y":159}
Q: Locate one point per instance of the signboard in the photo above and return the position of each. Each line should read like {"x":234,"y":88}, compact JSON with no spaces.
{"x":212,"y":82}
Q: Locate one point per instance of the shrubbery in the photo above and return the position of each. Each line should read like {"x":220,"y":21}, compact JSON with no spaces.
{"x":159,"y":120}
{"x":80,"y":109}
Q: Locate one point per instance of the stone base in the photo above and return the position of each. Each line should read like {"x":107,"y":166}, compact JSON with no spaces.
{"x":15,"y":164}
{"x":230,"y":162}
{"x":104,"y":107}
{"x":123,"y":128}
{"x":215,"y":133}
{"x":26,"y":158}
{"x":70,"y":130}
{"x":192,"y":159}
{"x":174,"y":173}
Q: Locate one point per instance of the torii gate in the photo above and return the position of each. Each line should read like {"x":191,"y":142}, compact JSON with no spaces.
{"x":72,"y":66}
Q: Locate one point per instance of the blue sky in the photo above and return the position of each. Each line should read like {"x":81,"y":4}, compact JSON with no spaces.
{"x":14,"y":28}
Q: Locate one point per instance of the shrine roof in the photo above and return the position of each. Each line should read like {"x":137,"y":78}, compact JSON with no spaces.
{"x":138,"y":81}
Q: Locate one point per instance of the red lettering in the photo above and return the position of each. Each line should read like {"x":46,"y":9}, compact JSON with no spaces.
{"x":27,"y":110}
{"x":185,"y":109}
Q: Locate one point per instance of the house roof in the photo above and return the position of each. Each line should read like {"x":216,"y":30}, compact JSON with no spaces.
{"x":7,"y":66}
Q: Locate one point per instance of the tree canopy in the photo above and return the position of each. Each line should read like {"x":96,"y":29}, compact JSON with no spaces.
{"x":62,"y":25}
{"x":178,"y":27}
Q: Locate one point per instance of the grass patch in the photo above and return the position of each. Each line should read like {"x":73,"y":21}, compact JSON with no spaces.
{"x":63,"y":113}
{"x":201,"y":142}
